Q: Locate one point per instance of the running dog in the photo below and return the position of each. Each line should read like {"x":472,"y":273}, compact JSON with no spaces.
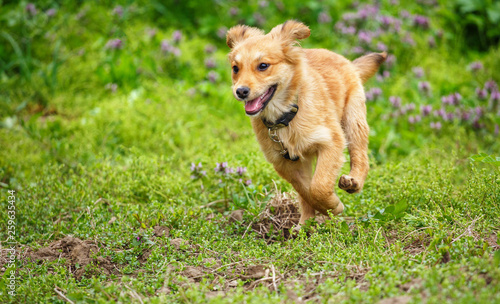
{"x":304,"y":104}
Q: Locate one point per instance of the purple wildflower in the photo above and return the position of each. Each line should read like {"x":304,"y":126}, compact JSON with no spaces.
{"x":386,"y":21}
{"x":324,"y":17}
{"x":436,"y":125}
{"x":395,"y":101}
{"x":409,"y":107}
{"x":263,"y":4}
{"x":229,"y":170}
{"x":497,"y":129}
{"x":369,"y":96}
{"x":220,"y":167}
{"x":114,"y":44}
{"x":426,"y":110}
{"x":478,"y":111}
{"x":386,"y":74}
{"x":408,"y":40}
{"x":357,"y":50}
{"x":234,"y":11}
{"x":259,"y":19}
{"x":209,"y":49}
{"x":411,"y":119}
{"x":456,"y":98}
{"x":418,"y":71}
{"x":221,"y":32}
{"x":447,"y":100}
{"x":476,"y":66}
{"x":441,"y":113}
{"x":118,"y":10}
{"x":373,"y":94}
{"x":365,"y":37}
{"x":367,"y":11}
{"x":51,"y":12}
{"x":404,"y":14}
{"x":495,"y":96}
{"x":491,"y":86}
{"x":390,"y":61}
{"x":169,"y":48}
{"x":481,"y":93}
{"x":350,"y":30}
{"x":166,"y":46}
{"x":210,"y":63}
{"x":348,"y":17}
{"x":421,"y":21}
{"x":465,"y":116}
{"x":241,"y":170}
{"x":248,"y":182}
{"x":213,"y":76}
{"x":177,"y":36}
{"x":31,"y":9}
{"x":382,"y":47}
{"x":150,"y":32}
{"x":424,"y":86}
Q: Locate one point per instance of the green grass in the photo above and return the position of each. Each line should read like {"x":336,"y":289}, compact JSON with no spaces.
{"x":107,"y":166}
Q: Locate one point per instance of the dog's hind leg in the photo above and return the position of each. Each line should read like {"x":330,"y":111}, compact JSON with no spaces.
{"x":356,"y":132}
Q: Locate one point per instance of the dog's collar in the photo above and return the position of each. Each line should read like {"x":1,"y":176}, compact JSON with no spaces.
{"x":282,"y":122}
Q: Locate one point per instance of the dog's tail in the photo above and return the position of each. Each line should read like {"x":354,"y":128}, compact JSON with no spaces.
{"x":368,"y":65}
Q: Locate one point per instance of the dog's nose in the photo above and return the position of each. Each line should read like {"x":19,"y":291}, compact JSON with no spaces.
{"x":243,"y":92}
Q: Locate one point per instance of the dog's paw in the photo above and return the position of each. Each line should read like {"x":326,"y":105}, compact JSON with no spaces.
{"x":349,"y":184}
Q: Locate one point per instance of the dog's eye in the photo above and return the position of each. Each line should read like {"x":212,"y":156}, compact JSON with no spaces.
{"x":263,"y":66}
{"x":235,"y":69}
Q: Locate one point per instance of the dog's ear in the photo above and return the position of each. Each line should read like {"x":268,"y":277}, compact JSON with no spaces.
{"x":290,"y":31}
{"x":241,"y":32}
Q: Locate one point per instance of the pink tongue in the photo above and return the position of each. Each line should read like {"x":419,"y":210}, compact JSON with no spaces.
{"x":253,"y":105}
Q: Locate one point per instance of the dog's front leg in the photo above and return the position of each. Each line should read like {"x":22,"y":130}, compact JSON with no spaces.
{"x":329,"y":164}
{"x":299,"y":174}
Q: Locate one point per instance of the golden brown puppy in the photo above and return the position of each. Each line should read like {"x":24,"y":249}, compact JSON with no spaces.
{"x":304,"y":104}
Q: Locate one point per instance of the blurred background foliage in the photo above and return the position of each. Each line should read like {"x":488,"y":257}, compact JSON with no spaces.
{"x":81,"y":81}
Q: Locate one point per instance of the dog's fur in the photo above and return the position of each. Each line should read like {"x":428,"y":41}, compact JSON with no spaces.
{"x":328,"y":89}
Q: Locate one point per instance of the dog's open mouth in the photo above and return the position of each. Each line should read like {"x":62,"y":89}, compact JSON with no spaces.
{"x":256,"y":105}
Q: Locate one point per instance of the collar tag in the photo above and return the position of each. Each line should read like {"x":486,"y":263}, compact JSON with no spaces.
{"x":282,"y":122}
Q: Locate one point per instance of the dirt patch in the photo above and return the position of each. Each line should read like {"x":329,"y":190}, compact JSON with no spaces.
{"x":493,"y":241}
{"x":413,"y":284}
{"x":396,"y":300}
{"x":280,"y":215}
{"x":236,"y":216}
{"x":178,"y":243}
{"x":195,"y":273}
{"x":160,"y":231}
{"x":82,"y":257}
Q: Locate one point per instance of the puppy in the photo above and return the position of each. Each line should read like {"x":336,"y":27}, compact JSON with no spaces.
{"x":304,"y":105}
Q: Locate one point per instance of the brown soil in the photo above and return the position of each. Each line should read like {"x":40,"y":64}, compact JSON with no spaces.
{"x":82,"y":257}
{"x":279,"y":216}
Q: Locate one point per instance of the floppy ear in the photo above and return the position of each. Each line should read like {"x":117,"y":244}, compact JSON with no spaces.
{"x":241,"y":32}
{"x":290,"y":31}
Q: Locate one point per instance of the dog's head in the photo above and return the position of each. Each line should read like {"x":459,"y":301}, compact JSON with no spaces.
{"x":263,"y":65}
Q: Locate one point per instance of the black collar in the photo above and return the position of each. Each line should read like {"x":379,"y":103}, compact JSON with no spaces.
{"x":283,"y":121}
